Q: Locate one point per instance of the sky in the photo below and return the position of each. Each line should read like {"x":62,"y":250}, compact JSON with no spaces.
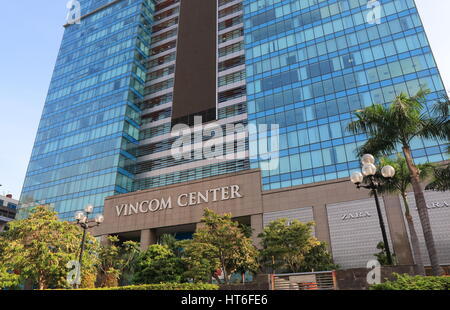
{"x":30,"y":35}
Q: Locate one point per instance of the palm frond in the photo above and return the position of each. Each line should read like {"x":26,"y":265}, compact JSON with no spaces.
{"x":442,"y":107}
{"x":421,"y":96}
{"x":377,"y":146}
{"x":398,"y":124}
{"x":441,"y":180}
{"x":402,"y":179}
{"x":377,"y":123}
{"x":433,"y":128}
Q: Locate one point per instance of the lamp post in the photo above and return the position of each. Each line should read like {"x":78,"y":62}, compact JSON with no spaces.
{"x":84,"y":222}
{"x":369,"y":170}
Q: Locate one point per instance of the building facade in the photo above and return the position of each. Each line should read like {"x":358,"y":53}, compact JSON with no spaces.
{"x":90,"y":120}
{"x":311,"y":63}
{"x":196,"y":68}
{"x":345,"y":217}
{"x":8,"y":210}
{"x":158,"y":106}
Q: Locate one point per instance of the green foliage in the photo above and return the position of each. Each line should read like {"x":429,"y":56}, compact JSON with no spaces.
{"x":158,"y":264}
{"x":164,"y":287}
{"x":116,"y":260}
{"x":172,"y":287}
{"x":400,"y":122}
{"x":171,"y":242}
{"x":318,"y":259}
{"x":401,"y":181}
{"x":39,"y":247}
{"x":286,"y":244}
{"x":200,"y":260}
{"x":417,"y":283}
{"x":441,"y":180}
{"x":392,"y":127}
{"x":8,"y":279}
{"x":220,"y":242}
{"x":400,"y":184}
{"x":246,"y":230}
{"x":382,"y":255}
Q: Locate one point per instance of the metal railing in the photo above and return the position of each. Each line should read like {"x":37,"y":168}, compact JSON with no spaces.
{"x":324,"y":280}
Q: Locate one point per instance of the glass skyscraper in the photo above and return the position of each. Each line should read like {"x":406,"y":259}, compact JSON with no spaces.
{"x":134,"y":68}
{"x":90,"y":119}
{"x":311,"y":63}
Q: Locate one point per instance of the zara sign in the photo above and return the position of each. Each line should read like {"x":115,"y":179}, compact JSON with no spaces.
{"x":182,"y":200}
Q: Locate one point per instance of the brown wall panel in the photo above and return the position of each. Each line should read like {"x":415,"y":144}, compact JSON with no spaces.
{"x":195,"y":72}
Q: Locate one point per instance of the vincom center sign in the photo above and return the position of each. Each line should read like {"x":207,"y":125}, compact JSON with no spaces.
{"x":183,"y":200}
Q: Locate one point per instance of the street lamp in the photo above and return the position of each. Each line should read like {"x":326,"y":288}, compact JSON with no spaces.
{"x":83,"y":221}
{"x":369,"y":170}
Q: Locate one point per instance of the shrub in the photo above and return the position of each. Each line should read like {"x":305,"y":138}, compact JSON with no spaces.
{"x":417,"y":283}
{"x":163,"y":287}
{"x":171,"y":287}
{"x":158,"y":264}
{"x":288,"y":246}
{"x":117,"y":260}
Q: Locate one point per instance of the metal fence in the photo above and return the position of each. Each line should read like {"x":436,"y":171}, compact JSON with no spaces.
{"x":324,"y":280}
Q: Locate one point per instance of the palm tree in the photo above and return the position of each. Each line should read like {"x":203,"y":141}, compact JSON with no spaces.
{"x":395,"y":126}
{"x":400,"y":184}
{"x":441,"y":182}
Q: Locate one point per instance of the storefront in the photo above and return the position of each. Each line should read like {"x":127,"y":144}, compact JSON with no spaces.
{"x":345,"y":217}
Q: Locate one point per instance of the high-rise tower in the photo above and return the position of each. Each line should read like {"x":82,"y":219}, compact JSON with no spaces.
{"x":91,"y":116}
{"x":133,"y":69}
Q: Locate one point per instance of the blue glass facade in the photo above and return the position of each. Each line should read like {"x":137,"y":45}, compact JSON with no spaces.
{"x":91,"y":115}
{"x":310,"y":63}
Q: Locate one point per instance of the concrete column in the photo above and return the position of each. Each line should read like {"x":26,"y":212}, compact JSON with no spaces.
{"x":322,"y":227}
{"x":257,"y":228}
{"x":148,"y":237}
{"x":397,"y":228}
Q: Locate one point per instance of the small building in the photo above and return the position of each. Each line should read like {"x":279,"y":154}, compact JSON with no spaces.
{"x":8,"y":209}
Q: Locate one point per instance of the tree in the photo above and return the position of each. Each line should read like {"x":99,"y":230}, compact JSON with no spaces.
{"x":172,"y":243}
{"x":8,"y":278}
{"x":382,"y":257}
{"x":158,"y":264}
{"x":247,"y":230}
{"x":39,"y":247}
{"x":200,"y":260}
{"x":286,"y":244}
{"x":221,"y":240}
{"x":400,"y":185}
{"x":197,"y":259}
{"x":116,"y":260}
{"x":318,"y":259}
{"x":441,"y":180}
{"x":396,"y":126}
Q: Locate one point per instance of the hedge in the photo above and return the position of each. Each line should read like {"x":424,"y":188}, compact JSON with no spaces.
{"x":162,"y":287}
{"x":416,"y":283}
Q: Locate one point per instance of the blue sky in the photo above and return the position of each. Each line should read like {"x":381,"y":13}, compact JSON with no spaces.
{"x":30,"y":33}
